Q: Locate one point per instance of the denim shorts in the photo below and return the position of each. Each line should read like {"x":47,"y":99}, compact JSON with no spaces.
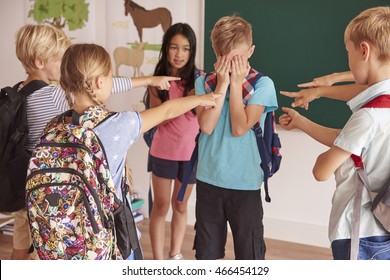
{"x":370,"y":248}
{"x":243,"y":210}
{"x":171,"y":169}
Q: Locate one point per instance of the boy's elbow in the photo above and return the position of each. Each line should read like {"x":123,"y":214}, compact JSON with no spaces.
{"x":238,"y":132}
{"x":320,"y":176}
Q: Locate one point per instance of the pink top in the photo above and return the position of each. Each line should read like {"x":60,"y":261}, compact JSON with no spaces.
{"x":175,"y":140}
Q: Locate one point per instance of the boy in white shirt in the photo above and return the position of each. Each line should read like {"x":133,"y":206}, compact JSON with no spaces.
{"x":366,"y":134}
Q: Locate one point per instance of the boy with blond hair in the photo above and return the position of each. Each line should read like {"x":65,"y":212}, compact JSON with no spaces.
{"x":40,"y":49}
{"x":366,"y":134}
{"x":229,"y":175}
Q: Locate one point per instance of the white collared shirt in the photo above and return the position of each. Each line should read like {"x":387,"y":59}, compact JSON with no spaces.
{"x":366,"y":133}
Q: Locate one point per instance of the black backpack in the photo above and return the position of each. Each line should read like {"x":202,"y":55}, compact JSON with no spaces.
{"x":13,"y":135}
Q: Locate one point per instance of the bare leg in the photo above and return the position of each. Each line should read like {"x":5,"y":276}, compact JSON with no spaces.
{"x":179,"y":218}
{"x":162,"y":195}
{"x":21,"y":237}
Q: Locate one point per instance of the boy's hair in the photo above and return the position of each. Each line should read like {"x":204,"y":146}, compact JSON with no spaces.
{"x":41,"y":42}
{"x":187,"y":72}
{"x":372,"y":25}
{"x":81,"y":65}
{"x":228,"y":32}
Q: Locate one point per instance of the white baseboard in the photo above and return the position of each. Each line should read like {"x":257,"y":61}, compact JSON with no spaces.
{"x":291,"y":231}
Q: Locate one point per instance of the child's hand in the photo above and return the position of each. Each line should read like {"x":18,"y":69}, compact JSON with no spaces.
{"x":209,"y":100}
{"x":303,"y":97}
{"x":323,"y":81}
{"x":222,"y":68}
{"x":290,"y":119}
{"x":162,"y":82}
{"x":239,"y":68}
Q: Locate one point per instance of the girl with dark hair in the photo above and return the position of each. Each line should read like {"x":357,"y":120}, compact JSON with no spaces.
{"x":173,"y":141}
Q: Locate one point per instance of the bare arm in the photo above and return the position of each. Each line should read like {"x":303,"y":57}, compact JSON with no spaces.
{"x":292,"y":119}
{"x":328,"y":162}
{"x":330,"y":79}
{"x":162,"y":82}
{"x":208,"y":118}
{"x":242,"y":117}
{"x":173,"y":108}
{"x":342,"y":92}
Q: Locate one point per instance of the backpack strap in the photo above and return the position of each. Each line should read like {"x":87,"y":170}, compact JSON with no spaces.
{"x":31,"y":87}
{"x":188,"y":170}
{"x":134,"y":242}
{"x":381,"y":101}
{"x":13,"y":95}
{"x":248,"y":88}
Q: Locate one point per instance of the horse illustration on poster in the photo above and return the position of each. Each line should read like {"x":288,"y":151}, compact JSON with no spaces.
{"x":143,"y":18}
{"x":131,"y":57}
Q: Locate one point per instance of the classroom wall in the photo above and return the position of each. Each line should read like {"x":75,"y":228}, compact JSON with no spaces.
{"x":300,"y":206}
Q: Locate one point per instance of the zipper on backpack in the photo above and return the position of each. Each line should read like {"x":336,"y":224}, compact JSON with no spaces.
{"x":91,"y":190}
{"x":94,"y":224}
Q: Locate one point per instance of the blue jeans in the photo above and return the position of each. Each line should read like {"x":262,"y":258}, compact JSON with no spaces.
{"x":370,"y":248}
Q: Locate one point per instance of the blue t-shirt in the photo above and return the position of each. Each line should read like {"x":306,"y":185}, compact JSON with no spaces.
{"x":234,"y":162}
{"x":118,"y":134}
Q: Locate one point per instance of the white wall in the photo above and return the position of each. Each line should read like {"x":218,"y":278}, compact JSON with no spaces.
{"x":300,"y":206}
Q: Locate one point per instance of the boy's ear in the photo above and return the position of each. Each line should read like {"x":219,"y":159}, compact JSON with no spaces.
{"x":251,"y":51}
{"x":39,"y":64}
{"x":365,"y":50}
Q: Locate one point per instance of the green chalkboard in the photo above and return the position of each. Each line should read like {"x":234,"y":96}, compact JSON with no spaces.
{"x":296,"y":41}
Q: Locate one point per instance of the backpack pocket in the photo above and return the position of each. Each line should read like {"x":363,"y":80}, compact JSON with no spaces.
{"x":125,"y":231}
{"x":64,"y":224}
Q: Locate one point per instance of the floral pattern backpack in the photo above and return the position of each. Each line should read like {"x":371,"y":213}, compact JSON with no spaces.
{"x":69,"y":191}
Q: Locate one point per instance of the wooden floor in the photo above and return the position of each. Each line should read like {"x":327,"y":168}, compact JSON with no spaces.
{"x":276,"y":249}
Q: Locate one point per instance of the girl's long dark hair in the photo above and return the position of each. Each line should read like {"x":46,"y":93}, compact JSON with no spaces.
{"x":187,"y":73}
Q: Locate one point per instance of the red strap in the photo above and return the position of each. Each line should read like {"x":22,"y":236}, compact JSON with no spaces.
{"x":382,"y":101}
{"x":357,"y":160}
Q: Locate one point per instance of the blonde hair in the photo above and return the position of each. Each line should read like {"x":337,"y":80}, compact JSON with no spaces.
{"x":81,"y":65}
{"x":41,"y":42}
{"x":228,"y":32}
{"x":373,"y":26}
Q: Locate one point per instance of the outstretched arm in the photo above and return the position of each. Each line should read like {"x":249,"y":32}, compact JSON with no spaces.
{"x":122,"y":84}
{"x":173,"y":108}
{"x":330,"y":79}
{"x":161,"y":82}
{"x":322,"y":87}
{"x":292,"y":119}
{"x":343,"y":92}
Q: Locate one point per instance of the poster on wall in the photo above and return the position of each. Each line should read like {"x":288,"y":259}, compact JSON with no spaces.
{"x":132,"y":32}
{"x":75,"y":17}
{"x":139,"y":26}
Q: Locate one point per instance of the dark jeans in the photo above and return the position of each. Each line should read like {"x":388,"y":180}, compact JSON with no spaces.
{"x":370,"y":248}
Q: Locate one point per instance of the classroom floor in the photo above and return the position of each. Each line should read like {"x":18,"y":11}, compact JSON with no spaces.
{"x":276,"y":249}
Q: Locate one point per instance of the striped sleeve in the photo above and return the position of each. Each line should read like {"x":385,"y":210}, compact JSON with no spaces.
{"x":121,"y":84}
{"x":43,"y":105}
